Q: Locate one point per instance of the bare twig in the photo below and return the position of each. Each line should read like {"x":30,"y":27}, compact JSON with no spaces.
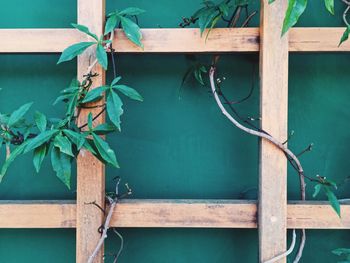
{"x":113,"y":204}
{"x":291,"y":156}
{"x":285,"y":254}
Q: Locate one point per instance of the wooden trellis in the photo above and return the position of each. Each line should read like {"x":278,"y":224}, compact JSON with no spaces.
{"x":275,"y":214}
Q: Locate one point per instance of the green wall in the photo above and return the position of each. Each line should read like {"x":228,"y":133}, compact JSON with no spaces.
{"x":177,"y":144}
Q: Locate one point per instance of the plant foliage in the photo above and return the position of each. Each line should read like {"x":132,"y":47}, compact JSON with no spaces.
{"x":62,"y":138}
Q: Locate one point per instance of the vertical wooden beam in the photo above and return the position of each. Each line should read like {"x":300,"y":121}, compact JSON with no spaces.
{"x":90,"y":172}
{"x":274,"y":107}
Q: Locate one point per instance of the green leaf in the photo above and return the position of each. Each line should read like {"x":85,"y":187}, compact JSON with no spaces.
{"x":341,"y":251}
{"x":114,"y":108}
{"x":104,"y":129}
{"x":129,"y":92}
{"x":62,"y":98}
{"x":63,"y":144}
{"x":345,"y":36}
{"x":14,"y":154}
{"x":38,"y":156}
{"x":115,"y":81}
{"x":76,"y":138}
{"x":330,"y":6}
{"x":85,"y":30}
{"x":1,"y":142}
{"x":131,"y":30}
{"x":40,"y":140}
{"x":132,"y":11}
{"x":61,"y":164}
{"x":205,"y":18}
{"x":295,"y":9}
{"x":72,"y":104}
{"x":317,"y":190}
{"x":18,"y":114}
{"x":90,"y":121}
{"x":111,"y":23}
{"x":333,"y":200}
{"x":95,"y":94}
{"x":74,"y":50}
{"x":40,"y":120}
{"x":105,"y":151}
{"x":101,"y":56}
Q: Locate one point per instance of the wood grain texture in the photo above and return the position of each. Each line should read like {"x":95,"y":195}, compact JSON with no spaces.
{"x":272,"y":219}
{"x":37,"y":214}
{"x":90,"y":171}
{"x":174,"y":40}
{"x":189,"y":40}
{"x":172,"y":213}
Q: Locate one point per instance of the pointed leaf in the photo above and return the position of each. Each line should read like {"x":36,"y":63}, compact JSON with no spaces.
{"x":130,"y":92}
{"x":40,"y":140}
{"x":18,"y":114}
{"x":295,"y":9}
{"x":38,"y":157}
{"x":114,"y":108}
{"x":333,"y":200}
{"x":76,"y":138}
{"x":71,"y":52}
{"x":90,"y":121}
{"x":61,"y":164}
{"x":131,"y":30}
{"x":345,"y":36}
{"x":63,"y":144}
{"x":85,"y":30}
{"x":94,"y":94}
{"x":104,"y":129}
{"x":132,"y":11}
{"x":101,"y":56}
{"x":330,"y":6}
{"x":105,"y":151}
{"x":317,"y":190}
{"x":111,"y":23}
{"x":40,"y":120}
{"x":14,"y":154}
{"x":116,"y":80}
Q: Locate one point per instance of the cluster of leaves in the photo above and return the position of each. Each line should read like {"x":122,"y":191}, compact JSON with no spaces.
{"x":61,"y":137}
{"x":343,"y":252}
{"x":209,"y":15}
{"x":327,"y":186}
{"x":297,"y":7}
{"x":130,"y":28}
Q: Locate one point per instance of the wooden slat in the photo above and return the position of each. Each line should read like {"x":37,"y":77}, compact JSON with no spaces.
{"x":37,"y":40}
{"x":186,"y":213}
{"x":186,"y":40}
{"x":274,"y":119}
{"x":166,"y":40}
{"x":172,"y":213}
{"x":90,"y":171}
{"x":321,"y":39}
{"x":37,"y":214}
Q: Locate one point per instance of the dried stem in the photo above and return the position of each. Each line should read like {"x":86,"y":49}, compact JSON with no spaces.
{"x":291,"y":156}
{"x":113,"y":204}
{"x":285,"y":254}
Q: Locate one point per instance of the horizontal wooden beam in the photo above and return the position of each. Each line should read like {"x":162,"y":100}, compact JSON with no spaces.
{"x":37,"y":214}
{"x":173,"y":40}
{"x":172,"y":213}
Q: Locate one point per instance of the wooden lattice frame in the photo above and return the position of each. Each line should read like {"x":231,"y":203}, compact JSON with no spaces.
{"x":275,"y":215}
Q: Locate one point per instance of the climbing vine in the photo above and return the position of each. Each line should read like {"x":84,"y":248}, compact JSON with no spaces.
{"x":230,"y":12}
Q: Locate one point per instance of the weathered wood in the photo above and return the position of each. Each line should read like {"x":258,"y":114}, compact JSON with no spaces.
{"x":172,"y":213}
{"x":189,"y":40}
{"x":165,"y":40}
{"x":90,"y":171}
{"x":37,"y":214}
{"x":272,"y":213}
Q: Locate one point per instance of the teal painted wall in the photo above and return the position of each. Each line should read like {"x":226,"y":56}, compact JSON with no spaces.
{"x":173,"y":147}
